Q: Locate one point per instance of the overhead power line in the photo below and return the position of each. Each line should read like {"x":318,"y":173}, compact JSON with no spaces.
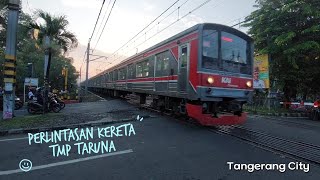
{"x":104,"y":25}
{"x":104,"y":16}
{"x":97,"y":20}
{"x":145,"y":27}
{"x":185,"y":15}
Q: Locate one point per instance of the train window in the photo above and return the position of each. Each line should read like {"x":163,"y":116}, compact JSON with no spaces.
{"x":105,"y":77}
{"x":115,"y":75}
{"x":234,"y":54}
{"x":131,"y":72}
{"x":210,"y":48}
{"x":162,"y":63}
{"x":233,"y":48}
{"x":142,"y":69}
{"x":121,"y":74}
{"x":139,"y":70}
{"x":110,"y":77}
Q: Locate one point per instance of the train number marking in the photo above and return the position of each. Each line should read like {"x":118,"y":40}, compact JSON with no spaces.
{"x":226,"y":80}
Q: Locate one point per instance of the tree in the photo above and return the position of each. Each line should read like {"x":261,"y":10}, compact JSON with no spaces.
{"x":54,"y":36}
{"x":53,"y":33}
{"x":289,"y":30}
{"x":29,"y":52}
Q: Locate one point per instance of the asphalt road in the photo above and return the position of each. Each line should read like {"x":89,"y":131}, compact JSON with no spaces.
{"x":161,"y":148}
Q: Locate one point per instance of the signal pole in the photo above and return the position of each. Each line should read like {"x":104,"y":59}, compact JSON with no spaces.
{"x":10,"y":60}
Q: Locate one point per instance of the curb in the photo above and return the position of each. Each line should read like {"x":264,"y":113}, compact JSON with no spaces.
{"x":282,"y":114}
{"x":72,"y":126}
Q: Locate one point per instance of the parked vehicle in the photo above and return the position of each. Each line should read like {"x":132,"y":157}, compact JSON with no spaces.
{"x":18,"y":103}
{"x":315,"y":112}
{"x":55,"y":96}
{"x":35,"y":106}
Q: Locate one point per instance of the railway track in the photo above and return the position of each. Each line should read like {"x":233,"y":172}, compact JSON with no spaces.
{"x":293,"y":149}
{"x":295,"y":124}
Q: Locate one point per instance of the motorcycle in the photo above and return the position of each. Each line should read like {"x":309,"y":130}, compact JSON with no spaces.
{"x":62,"y":104}
{"x":35,"y":107}
{"x":18,"y":103}
{"x":54,"y":105}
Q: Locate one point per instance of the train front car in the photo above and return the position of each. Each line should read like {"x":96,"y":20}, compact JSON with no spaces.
{"x":222,"y":78}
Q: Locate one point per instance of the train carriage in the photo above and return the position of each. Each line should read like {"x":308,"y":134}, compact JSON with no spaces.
{"x":204,"y":72}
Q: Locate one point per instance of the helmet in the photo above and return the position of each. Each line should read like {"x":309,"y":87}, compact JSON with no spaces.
{"x":38,"y":89}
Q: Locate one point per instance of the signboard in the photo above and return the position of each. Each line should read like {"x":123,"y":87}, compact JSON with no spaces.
{"x":261,"y":72}
{"x":31,"y":82}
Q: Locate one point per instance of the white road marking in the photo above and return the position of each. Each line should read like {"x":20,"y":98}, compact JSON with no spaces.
{"x":13,"y":139}
{"x":66,"y":162}
{"x":21,"y":138}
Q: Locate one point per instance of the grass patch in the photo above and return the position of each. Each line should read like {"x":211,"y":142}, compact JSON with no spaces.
{"x":29,"y":121}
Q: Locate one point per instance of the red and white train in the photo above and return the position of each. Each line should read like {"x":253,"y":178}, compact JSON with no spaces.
{"x":205,"y":72}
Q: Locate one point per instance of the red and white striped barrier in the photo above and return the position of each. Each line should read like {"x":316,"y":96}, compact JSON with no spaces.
{"x":297,"y":103}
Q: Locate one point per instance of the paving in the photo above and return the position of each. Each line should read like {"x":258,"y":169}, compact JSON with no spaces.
{"x":161,"y":148}
{"x":82,"y":113}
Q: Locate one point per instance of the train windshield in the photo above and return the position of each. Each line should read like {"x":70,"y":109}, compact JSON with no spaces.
{"x":225,"y":52}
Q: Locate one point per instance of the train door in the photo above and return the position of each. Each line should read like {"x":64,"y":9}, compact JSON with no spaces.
{"x":183,"y":67}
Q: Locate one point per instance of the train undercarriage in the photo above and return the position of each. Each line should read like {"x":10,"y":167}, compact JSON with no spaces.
{"x":226,"y":112}
{"x":209,"y":113}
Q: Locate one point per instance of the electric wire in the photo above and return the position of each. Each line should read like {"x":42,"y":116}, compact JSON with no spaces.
{"x":105,"y":25}
{"x":97,"y":20}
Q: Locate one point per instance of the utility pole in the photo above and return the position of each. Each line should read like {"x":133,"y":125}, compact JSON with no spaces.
{"x":87,"y":72}
{"x":47,"y":62}
{"x":10,"y":60}
{"x":88,"y":60}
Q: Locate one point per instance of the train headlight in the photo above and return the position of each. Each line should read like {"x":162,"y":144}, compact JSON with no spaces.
{"x":210,"y":80}
{"x":249,"y":84}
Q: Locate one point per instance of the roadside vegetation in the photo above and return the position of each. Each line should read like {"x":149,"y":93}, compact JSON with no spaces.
{"x":289,"y":31}
{"x":31,"y":48}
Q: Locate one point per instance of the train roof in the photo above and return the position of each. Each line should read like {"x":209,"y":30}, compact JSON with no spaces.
{"x":187,"y":31}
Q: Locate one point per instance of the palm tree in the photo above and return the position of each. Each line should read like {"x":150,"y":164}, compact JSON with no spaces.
{"x":53,"y":34}
{"x":55,"y":28}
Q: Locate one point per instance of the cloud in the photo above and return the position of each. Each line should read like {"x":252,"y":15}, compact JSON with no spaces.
{"x":148,"y":7}
{"x":92,"y":4}
{"x":192,"y":20}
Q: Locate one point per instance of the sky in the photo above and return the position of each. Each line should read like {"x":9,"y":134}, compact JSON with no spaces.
{"x":128,"y":17}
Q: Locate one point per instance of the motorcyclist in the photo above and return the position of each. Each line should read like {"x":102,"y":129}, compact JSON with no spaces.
{"x":39,"y":95}
{"x":30,"y":94}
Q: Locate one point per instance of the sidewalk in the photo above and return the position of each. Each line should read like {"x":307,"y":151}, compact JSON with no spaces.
{"x":74,"y":116}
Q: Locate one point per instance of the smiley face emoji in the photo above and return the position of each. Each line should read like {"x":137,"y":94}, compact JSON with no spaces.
{"x":25,"y":165}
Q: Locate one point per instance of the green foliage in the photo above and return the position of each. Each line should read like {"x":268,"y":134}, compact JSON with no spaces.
{"x":56,"y":28}
{"x":28,"y":52}
{"x":289,"y":31}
